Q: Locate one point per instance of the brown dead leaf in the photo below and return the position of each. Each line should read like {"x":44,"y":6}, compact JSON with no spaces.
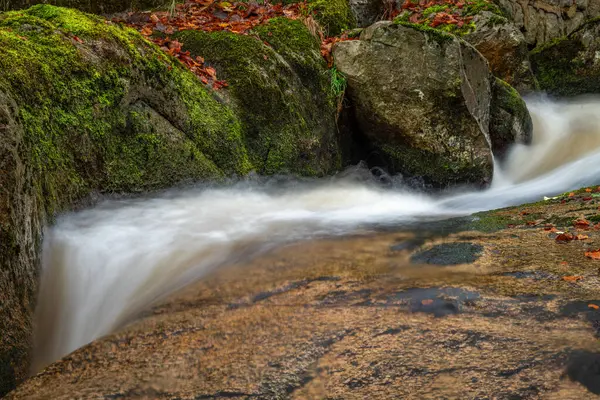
{"x":572,"y":278}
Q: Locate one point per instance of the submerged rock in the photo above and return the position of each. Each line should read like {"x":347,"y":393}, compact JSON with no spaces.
{"x":570,"y":66}
{"x":421,"y":99}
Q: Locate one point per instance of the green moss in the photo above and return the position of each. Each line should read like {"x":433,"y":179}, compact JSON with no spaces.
{"x":334,"y":16}
{"x":469,"y":9}
{"x":74,"y":108}
{"x":282,"y":93}
{"x":435,"y":9}
{"x":436,"y":34}
{"x":565,"y":67}
{"x":96,"y":7}
{"x":472,"y":8}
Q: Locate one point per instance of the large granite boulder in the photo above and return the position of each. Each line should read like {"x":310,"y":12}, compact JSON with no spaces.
{"x":421,"y":98}
{"x":570,"y":66}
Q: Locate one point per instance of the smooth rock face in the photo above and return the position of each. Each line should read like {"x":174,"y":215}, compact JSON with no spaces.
{"x":571,"y":66}
{"x":542,"y":21}
{"x":504,"y":47}
{"x":510,"y":121}
{"x":421,"y":100}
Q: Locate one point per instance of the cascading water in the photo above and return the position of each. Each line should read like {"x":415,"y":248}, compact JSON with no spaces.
{"x":103,"y":266}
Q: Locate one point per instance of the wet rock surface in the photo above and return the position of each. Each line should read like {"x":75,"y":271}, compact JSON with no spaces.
{"x":354,"y":318}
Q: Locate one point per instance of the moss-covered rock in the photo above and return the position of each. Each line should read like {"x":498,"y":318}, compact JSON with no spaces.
{"x":420,"y":98}
{"x":91,"y":6}
{"x":570,"y":66}
{"x":510,"y":121}
{"x":281,"y":91}
{"x":333,"y":16}
{"x":89,"y":106}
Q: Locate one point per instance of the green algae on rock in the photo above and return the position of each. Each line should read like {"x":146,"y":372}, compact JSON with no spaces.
{"x":89,"y":106}
{"x":570,"y":66}
{"x":281,"y":91}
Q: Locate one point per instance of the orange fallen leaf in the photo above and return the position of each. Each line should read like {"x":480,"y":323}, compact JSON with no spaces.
{"x":572,"y":278}
{"x":582,"y":223}
{"x":594,"y":306}
{"x":564,"y":238}
{"x":588,"y":190}
{"x":571,"y":194}
{"x":594,"y":254}
{"x":427,"y":302}
{"x":564,"y":263}
{"x":581,"y":237}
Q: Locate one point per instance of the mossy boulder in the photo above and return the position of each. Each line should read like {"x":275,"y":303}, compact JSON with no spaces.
{"x":421,"y":100}
{"x":333,"y":16}
{"x":91,"y":6}
{"x":88,"y":106}
{"x":570,"y":66}
{"x":280,"y":86}
{"x":510,"y":121}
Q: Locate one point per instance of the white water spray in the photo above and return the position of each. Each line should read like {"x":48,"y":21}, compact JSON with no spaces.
{"x":103,"y":266}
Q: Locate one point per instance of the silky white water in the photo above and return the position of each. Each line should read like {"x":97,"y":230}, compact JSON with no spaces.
{"x":103,"y":266}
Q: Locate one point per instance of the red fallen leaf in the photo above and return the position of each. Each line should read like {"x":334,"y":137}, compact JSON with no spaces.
{"x":77,"y":39}
{"x":530,"y":223}
{"x":587,"y":198}
{"x":594,"y":254}
{"x":593,"y":306}
{"x":427,"y":302}
{"x":460,"y":4}
{"x":549,"y":227}
{"x":146,"y":31}
{"x":523,"y":213}
{"x":572,"y":278}
{"x":597,"y":226}
{"x":564,"y":263}
{"x":564,"y":238}
{"x":582,"y":223}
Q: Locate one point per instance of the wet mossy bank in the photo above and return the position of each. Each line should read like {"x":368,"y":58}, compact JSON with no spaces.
{"x":88,"y":106}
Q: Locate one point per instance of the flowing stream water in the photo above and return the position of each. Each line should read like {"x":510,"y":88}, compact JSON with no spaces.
{"x":104,"y":265}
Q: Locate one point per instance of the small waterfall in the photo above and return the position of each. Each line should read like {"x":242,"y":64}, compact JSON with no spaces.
{"x":103,"y":266}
